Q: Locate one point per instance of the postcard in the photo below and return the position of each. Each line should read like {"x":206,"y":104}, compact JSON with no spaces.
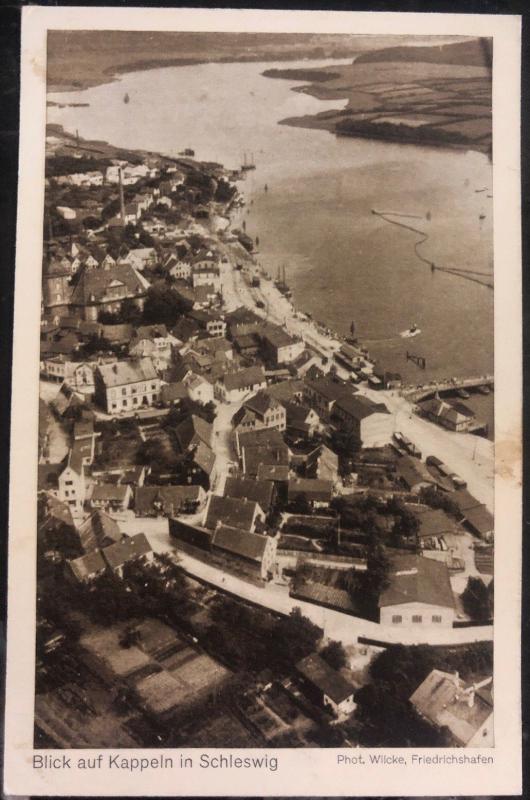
{"x":266,"y":410}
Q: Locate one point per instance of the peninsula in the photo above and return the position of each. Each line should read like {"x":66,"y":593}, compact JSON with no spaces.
{"x":450,"y":105}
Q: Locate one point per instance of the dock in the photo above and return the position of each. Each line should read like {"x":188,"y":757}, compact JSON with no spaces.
{"x":417,"y":393}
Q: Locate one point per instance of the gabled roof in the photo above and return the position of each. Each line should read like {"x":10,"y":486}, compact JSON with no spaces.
{"x":151,"y":332}
{"x":330,"y":390}
{"x":273,"y":472}
{"x":286,"y":390}
{"x":170,"y":392}
{"x":88,"y":566}
{"x":433,"y":522}
{"x":128,"y":549}
{"x":480,"y":519}
{"x":414,"y":579}
{"x":445,"y":701}
{"x":311,"y":489}
{"x":250,"y":546}
{"x":93,"y":285}
{"x":204,"y":457}
{"x":124,"y":372}
{"x":107,"y":492}
{"x":231,"y":511}
{"x":260,"y":492}
{"x":359,"y":407}
{"x":48,"y":476}
{"x":326,"y":679}
{"x":170,"y":498}
{"x":193,"y":430}
{"x":251,"y":376}
{"x":412,"y":471}
{"x":98,"y":530}
{"x":261,"y":402}
{"x":117,"y":334}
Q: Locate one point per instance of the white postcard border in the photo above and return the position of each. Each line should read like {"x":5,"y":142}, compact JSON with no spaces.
{"x":301,"y":772}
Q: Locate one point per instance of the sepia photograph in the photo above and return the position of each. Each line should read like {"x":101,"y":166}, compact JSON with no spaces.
{"x":265,"y":478}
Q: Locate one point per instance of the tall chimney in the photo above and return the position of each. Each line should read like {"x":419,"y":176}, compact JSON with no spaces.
{"x":122,"y":202}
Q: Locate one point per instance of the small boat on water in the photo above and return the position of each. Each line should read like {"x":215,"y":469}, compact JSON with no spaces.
{"x":483,"y":389}
{"x":410,"y":332}
{"x":463,"y":393}
{"x":126,"y":98}
{"x":482,"y":216}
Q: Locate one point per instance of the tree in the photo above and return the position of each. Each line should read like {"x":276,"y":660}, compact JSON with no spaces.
{"x":162,"y":305}
{"x":296,"y":636}
{"x":477,"y":599}
{"x":335,"y":655}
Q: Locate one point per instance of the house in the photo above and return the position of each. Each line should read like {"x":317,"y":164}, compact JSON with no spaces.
{"x":192,"y":539}
{"x":234,"y":386}
{"x":173,"y":393}
{"x":205,"y":271}
{"x":248,"y":345}
{"x":153,"y":501}
{"x":279,"y":346}
{"x":275,"y":473}
{"x":192,"y":431}
{"x":97,"y":531}
{"x":464,"y":712}
{"x":481,"y":522}
{"x":177,"y":268}
{"x":117,"y":334}
{"x":453,"y":416}
{"x":79,"y":376}
{"x":129,"y":549}
{"x":301,"y":420}
{"x":200,"y":461}
{"x":88,"y":567}
{"x":233,"y":512}
{"x":242,"y":322}
{"x":260,"y":411}
{"x":111,"y":497}
{"x":325,"y":685}
{"x":370,"y":424}
{"x":288,"y":391}
{"x":322,"y":394}
{"x":434,"y":524}
{"x":212,"y":322}
{"x":99,"y":290}
{"x":413,"y":475}
{"x":126,"y":385}
{"x":419,"y":594}
{"x":141,"y":258}
{"x":317,"y":493}
{"x":198,"y":388}
{"x":256,"y":551}
{"x":56,"y":531}
{"x":261,"y":492}
{"x":216,"y":347}
{"x":72,"y":482}
{"x":323,"y":463}
{"x":154,"y":342}
{"x":265,"y":446}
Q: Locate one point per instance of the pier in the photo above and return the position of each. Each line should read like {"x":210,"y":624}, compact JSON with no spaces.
{"x":417,"y":393}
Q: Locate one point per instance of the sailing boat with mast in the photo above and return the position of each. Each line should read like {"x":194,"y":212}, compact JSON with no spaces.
{"x":248,"y":165}
{"x":281,"y":283}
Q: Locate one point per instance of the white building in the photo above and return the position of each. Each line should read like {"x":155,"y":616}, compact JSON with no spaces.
{"x":126,"y":385}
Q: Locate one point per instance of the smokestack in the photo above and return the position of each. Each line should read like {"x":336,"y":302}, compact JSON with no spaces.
{"x":122,"y":202}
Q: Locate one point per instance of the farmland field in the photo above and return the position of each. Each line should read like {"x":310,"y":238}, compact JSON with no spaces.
{"x":401,"y":102}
